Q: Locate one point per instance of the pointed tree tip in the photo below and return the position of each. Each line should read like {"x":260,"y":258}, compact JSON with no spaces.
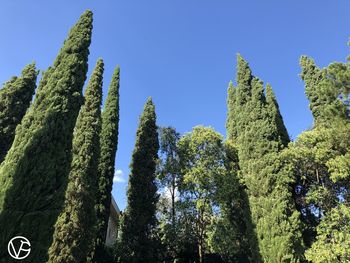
{"x":86,"y":17}
{"x":240,"y":57}
{"x":269,"y":90}
{"x":30,"y":68}
{"x":305,"y":59}
{"x":149,"y":102}
{"x":241,"y":60}
{"x":306,"y":62}
{"x":100,"y":62}
{"x":87,"y":12}
{"x":117,"y":69}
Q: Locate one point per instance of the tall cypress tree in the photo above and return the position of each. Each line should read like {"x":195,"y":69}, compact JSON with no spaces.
{"x":75,"y":227}
{"x":108,"y":144}
{"x":15,"y":98}
{"x":35,"y":170}
{"x":259,"y":141}
{"x":136,"y":243}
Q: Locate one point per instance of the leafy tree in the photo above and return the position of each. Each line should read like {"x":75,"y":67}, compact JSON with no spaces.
{"x":320,"y":156}
{"x":15,"y":98}
{"x":75,"y":226}
{"x":333,"y":237}
{"x":201,"y":155}
{"x":35,"y":170}
{"x":109,"y":144}
{"x":228,"y":235}
{"x":168,"y":173}
{"x":136,"y":241}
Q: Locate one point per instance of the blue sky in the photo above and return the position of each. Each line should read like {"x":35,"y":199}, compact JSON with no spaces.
{"x":182,"y":53}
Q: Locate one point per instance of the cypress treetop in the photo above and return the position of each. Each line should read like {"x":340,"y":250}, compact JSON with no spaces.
{"x":244,"y":78}
{"x":313,"y":76}
{"x":327,"y":90}
{"x":35,"y":170}
{"x":75,"y":227}
{"x":276,"y":117}
{"x":15,"y":98}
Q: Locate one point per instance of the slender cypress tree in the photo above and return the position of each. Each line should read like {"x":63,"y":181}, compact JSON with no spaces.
{"x":35,"y":170}
{"x":15,"y":98}
{"x":136,"y":243}
{"x":75,"y":227}
{"x":108,"y":144}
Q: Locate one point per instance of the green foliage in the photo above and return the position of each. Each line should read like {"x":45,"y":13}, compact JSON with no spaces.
{"x":228,"y":234}
{"x":231,"y":128}
{"x":319,"y":159}
{"x":327,"y":89}
{"x":320,"y":156}
{"x":168,"y":174}
{"x":333,"y":237}
{"x":35,"y":170}
{"x":75,"y":227}
{"x":15,"y":98}
{"x":244,"y":79}
{"x":275,"y":116}
{"x":212,"y":196}
{"x":109,"y":144}
{"x":274,"y":230}
{"x":201,"y":155}
{"x":136,"y":241}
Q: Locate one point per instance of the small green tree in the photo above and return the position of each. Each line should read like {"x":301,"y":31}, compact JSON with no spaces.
{"x":136,"y":240}
{"x":75,"y":227}
{"x":35,"y":171}
{"x":108,"y":144}
{"x":15,"y":98}
{"x":202,"y":166}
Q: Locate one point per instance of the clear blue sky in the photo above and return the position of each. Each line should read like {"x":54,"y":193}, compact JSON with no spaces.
{"x":182,"y":53}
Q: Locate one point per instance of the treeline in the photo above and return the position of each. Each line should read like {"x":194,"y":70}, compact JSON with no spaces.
{"x":254,"y":196}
